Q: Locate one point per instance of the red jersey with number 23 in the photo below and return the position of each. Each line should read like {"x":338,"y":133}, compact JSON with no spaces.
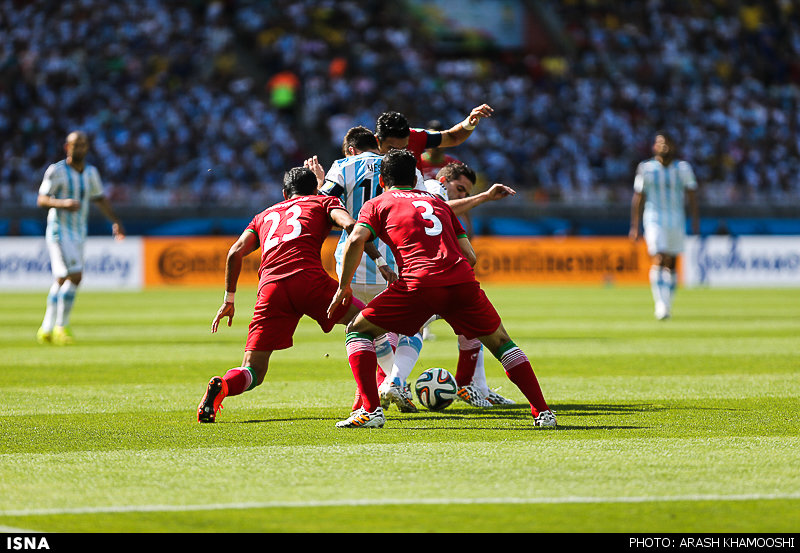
{"x":291,"y":234}
{"x":422,"y":232}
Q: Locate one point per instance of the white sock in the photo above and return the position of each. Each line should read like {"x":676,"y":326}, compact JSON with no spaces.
{"x":479,"y":378}
{"x":49,"y":320}
{"x":384,"y":350}
{"x":66,"y":297}
{"x":656,"y":284}
{"x":408,"y":349}
{"x":667,"y":286}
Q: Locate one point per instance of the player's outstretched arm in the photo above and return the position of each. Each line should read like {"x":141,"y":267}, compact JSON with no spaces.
{"x":459,"y":133}
{"x":498,"y":191}
{"x":245,"y":245}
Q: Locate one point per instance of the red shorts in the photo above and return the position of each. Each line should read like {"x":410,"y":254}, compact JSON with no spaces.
{"x":282,"y":303}
{"x":464,"y":306}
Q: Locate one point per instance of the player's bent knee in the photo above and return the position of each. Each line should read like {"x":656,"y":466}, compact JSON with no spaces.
{"x":495,"y":340}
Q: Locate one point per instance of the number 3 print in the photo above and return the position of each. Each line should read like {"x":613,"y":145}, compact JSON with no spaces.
{"x":427,"y":214}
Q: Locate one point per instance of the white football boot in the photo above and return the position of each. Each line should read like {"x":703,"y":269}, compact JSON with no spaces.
{"x":545,"y":419}
{"x":496,"y":399}
{"x":470,"y":394}
{"x":361,"y":418}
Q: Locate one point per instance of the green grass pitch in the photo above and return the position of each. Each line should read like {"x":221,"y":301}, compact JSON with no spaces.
{"x":685,"y":425}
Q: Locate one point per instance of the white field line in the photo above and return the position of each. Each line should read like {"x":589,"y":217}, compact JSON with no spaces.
{"x":12,"y":530}
{"x":380,"y":502}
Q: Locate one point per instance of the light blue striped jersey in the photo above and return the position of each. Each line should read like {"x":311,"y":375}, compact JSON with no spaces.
{"x":354,"y":180}
{"x":664,"y":191}
{"x":63,"y":182}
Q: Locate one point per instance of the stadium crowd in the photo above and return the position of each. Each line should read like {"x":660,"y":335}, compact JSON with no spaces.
{"x":191,"y":103}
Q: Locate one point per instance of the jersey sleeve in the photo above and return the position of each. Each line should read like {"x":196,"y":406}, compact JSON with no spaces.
{"x":638,"y":180}
{"x":334,"y":182}
{"x":420,"y":140}
{"x":687,"y":175}
{"x":51,"y":183}
{"x":436,"y":188}
{"x":95,"y":185}
{"x":420,"y":182}
{"x":253,"y":227}
{"x":369,"y":218}
{"x":333,"y":202}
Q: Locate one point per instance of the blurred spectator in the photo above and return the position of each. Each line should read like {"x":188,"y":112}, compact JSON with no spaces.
{"x":191,"y":103}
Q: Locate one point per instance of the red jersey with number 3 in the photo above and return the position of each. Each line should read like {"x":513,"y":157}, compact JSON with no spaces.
{"x":291,"y":234}
{"x":422,"y":232}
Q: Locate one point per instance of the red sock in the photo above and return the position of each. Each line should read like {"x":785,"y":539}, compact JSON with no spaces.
{"x":468,"y":351}
{"x":364,"y":364}
{"x":239,"y":380}
{"x":519,"y":371}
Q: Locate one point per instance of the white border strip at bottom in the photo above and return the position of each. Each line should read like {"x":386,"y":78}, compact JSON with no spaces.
{"x":379,"y":502}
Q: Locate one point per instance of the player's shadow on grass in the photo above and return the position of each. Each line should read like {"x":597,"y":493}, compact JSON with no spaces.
{"x":518,"y":411}
{"x":521,"y":411}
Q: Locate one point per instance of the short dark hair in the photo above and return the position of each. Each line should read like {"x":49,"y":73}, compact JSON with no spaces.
{"x":392,"y":124}
{"x":398,"y":168}
{"x":360,"y":138}
{"x":299,"y":180}
{"x":455,"y":169}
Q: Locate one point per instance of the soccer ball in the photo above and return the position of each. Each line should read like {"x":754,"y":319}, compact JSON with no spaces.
{"x":436,"y":389}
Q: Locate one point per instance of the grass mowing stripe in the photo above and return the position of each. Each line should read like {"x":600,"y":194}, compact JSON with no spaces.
{"x":607,"y":468}
{"x":110,"y":398}
{"x":694,"y":411}
{"x":390,"y":501}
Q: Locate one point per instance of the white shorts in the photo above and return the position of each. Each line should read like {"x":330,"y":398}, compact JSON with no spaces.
{"x":667,"y":240}
{"x":367,"y":292}
{"x":66,"y":257}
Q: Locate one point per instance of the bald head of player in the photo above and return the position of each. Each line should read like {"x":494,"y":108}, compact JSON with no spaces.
{"x":398,"y":170}
{"x":76,"y":147}
{"x":299,"y":181}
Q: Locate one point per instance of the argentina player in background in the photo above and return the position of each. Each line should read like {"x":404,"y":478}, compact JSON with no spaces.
{"x":664,"y":187}
{"x":68,"y":187}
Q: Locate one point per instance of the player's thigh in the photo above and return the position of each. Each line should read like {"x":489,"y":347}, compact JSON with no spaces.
{"x":274,"y":319}
{"x":400,"y":310}
{"x":469,"y":312}
{"x":66,"y":257}
{"x":312,"y":293}
{"x":661,"y":239}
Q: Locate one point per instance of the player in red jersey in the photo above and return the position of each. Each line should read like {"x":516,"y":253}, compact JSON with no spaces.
{"x":435,"y":260}
{"x":393,"y":132}
{"x":292,"y":282}
{"x":433,"y":159}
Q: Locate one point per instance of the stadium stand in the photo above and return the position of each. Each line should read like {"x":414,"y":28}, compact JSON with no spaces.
{"x":190,"y":104}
